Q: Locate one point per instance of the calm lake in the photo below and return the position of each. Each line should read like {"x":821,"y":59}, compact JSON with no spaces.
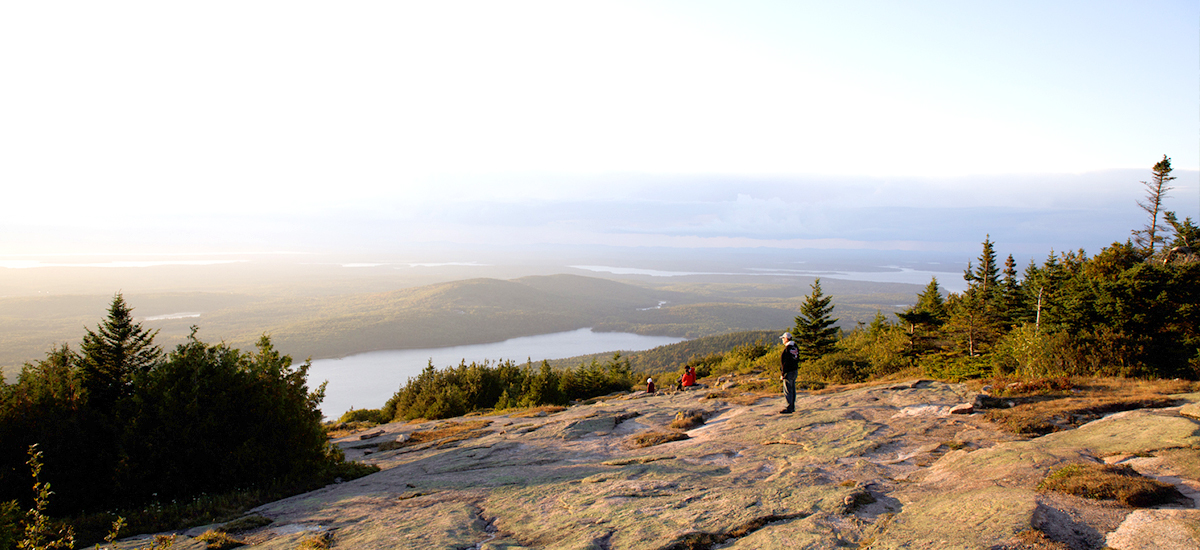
{"x":368,"y":380}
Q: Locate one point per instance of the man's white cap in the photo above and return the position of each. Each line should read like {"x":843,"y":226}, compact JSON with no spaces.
{"x":786,"y":336}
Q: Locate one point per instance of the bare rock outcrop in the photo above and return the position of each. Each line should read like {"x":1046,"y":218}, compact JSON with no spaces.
{"x":887,"y":466}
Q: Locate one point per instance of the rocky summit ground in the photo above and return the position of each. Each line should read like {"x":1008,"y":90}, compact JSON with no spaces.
{"x":885,"y":466}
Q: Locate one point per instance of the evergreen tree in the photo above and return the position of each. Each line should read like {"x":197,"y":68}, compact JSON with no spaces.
{"x":1010,"y":300}
{"x":814,"y":332}
{"x":1186,"y":239}
{"x":930,"y":301}
{"x":924,"y":317}
{"x":986,"y":277}
{"x":879,"y":324}
{"x":975,"y":315}
{"x":1148,"y":236}
{"x":542,"y":388}
{"x":114,"y":354}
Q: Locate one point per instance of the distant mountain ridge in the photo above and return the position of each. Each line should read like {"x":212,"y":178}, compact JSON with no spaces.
{"x":492,"y":310}
{"x":466,"y":311}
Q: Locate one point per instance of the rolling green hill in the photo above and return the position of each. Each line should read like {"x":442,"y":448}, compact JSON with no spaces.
{"x":470,"y":311}
{"x":673,"y":357}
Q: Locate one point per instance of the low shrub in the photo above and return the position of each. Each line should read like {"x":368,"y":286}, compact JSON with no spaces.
{"x":835,"y":368}
{"x":376,"y":416}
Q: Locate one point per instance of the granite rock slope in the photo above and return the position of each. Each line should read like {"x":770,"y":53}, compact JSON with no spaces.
{"x":885,"y":466}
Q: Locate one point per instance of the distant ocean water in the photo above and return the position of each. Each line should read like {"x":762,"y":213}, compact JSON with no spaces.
{"x":368,"y":380}
{"x":948,"y":281}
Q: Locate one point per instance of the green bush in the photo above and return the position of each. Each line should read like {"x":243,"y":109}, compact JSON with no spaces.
{"x":838,"y":367}
{"x":595,"y":379}
{"x":10,"y":524}
{"x":956,"y":368}
{"x":375,"y":416}
{"x":455,"y":391}
{"x":213,"y":419}
{"x":458,"y":390}
{"x":877,"y":351}
{"x":205,"y":419}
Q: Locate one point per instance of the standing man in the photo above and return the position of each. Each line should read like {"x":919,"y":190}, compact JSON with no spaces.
{"x":789,"y":363}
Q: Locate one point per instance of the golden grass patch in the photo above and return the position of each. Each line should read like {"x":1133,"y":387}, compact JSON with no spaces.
{"x":337,"y":430}
{"x":538,"y":411}
{"x":686,"y":420}
{"x":1043,"y":406}
{"x":443,"y":434}
{"x":317,"y":541}
{"x":1110,"y":482}
{"x":650,"y":439}
{"x":218,"y":540}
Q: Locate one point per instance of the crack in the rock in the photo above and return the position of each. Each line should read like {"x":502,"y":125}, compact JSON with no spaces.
{"x":704,"y":541}
{"x":605,"y":542}
{"x":489,"y":527}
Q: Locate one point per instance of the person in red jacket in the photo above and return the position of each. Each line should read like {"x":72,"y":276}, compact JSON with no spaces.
{"x":689,"y":376}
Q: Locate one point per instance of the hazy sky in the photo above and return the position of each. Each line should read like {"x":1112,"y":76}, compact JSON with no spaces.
{"x":261,"y":125}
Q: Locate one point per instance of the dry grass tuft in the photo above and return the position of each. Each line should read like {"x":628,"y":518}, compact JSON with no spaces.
{"x":217,"y":540}
{"x":686,"y":420}
{"x":1050,"y":405}
{"x":544,"y":410}
{"x":317,"y":541}
{"x":1107,"y":482}
{"x":650,"y":439}
{"x":1033,"y":539}
{"x":443,"y":435}
{"x":337,"y":430}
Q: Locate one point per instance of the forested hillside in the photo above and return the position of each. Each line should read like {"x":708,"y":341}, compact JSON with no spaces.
{"x":444,"y":314}
{"x":672,"y":357}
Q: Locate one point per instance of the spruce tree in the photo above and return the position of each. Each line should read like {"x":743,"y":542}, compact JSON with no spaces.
{"x":986,"y":277}
{"x":117,"y":351}
{"x":1187,"y":236}
{"x":814,"y":332}
{"x":976,"y":314}
{"x":1148,"y":236}
{"x":924,"y":317}
{"x":1010,"y":294}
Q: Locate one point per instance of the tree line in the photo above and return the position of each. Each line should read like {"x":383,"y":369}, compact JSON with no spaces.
{"x":121,"y":423}
{"x":1131,"y":310}
{"x":455,"y":391}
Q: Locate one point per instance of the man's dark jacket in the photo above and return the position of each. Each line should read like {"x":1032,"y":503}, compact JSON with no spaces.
{"x":789,"y":360}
